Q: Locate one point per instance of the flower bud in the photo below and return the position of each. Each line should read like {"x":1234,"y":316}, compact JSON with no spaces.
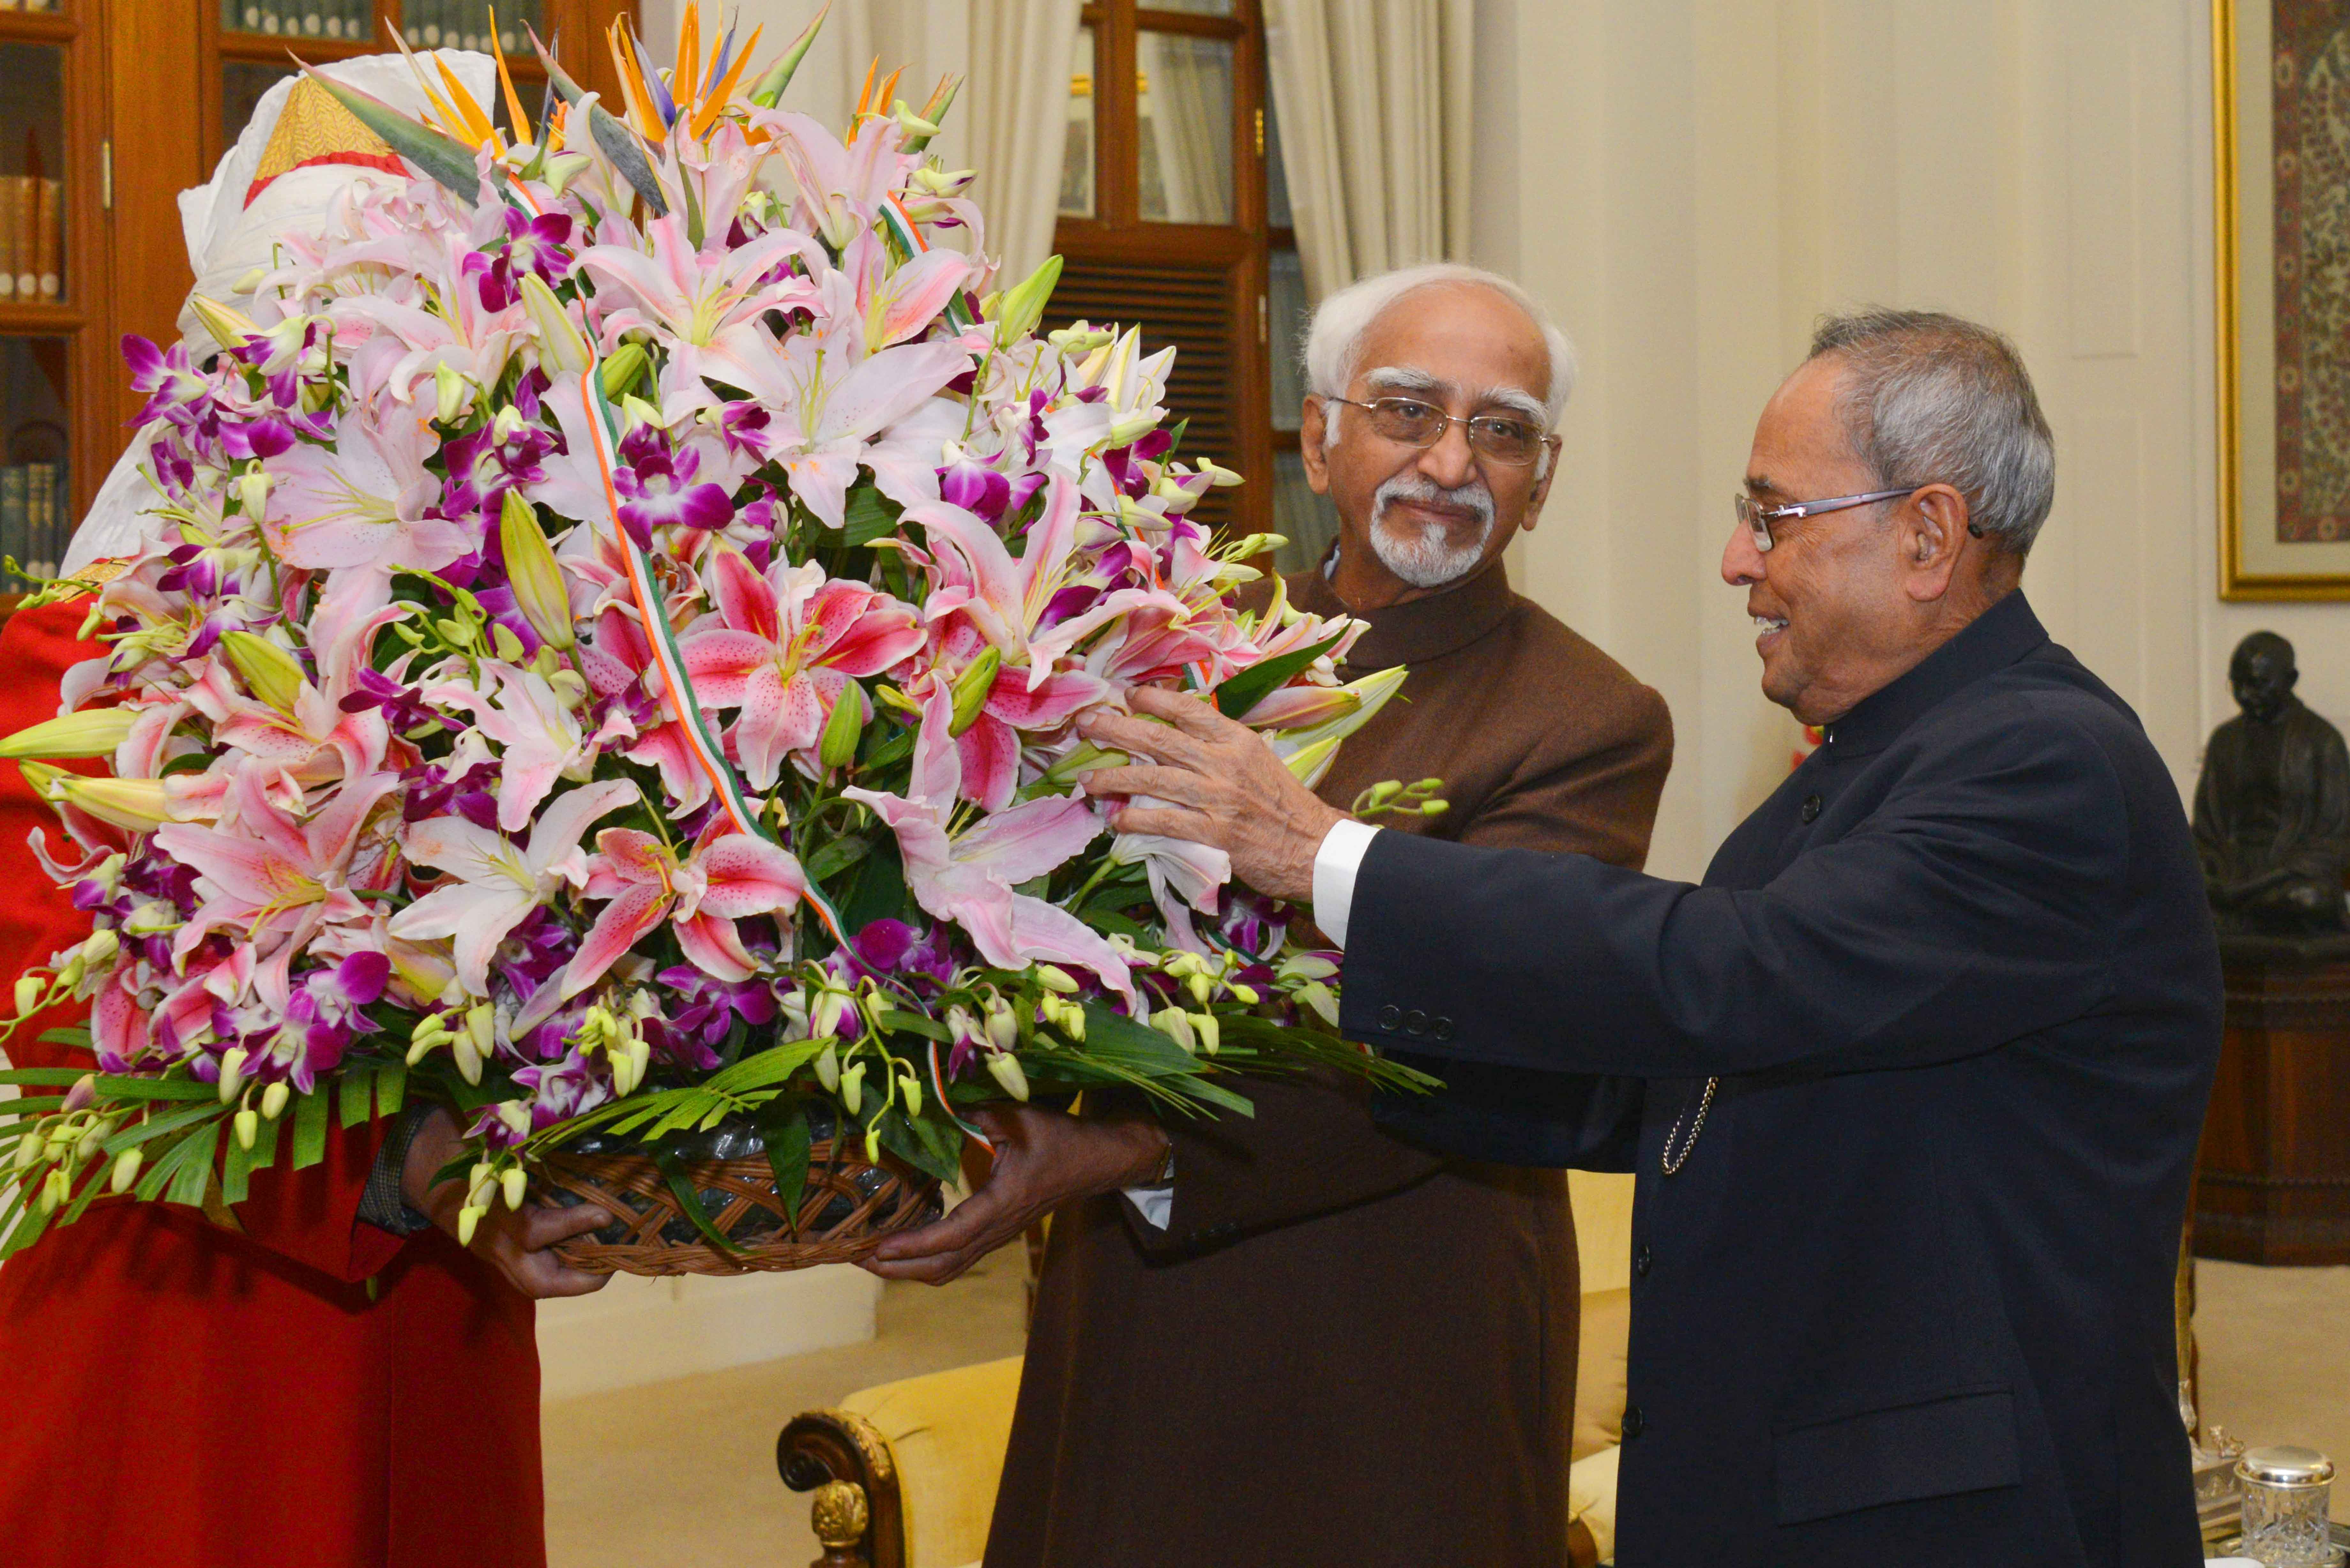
{"x":468,"y":1219}
{"x":836,"y":748}
{"x":29,"y":1149}
{"x":229,"y":327}
{"x":1022,"y":307}
{"x":1006,"y":1069}
{"x":269,"y":672}
{"x":1003,"y":1026}
{"x":1211,"y":1032}
{"x":30,"y":988}
{"x":252,"y":490}
{"x":873,"y":1144}
{"x":909,"y":1089}
{"x":1176,"y":1024}
{"x":99,"y":947}
{"x":248,"y":1126}
{"x":274,"y":1099}
{"x":126,"y":1170}
{"x":561,"y":349}
{"x":140,"y":805}
{"x":532,"y":572}
{"x":516,"y":1182}
{"x":55,"y":1191}
{"x":622,"y":367}
{"x":852,"y":1087}
{"x":971,"y":688}
{"x":1052,"y":977}
{"x":91,"y":733}
{"x":828,"y":1069}
{"x":451,"y":392}
{"x":468,"y":1056}
{"x":151,"y":918}
{"x":232,"y":1072}
{"x":88,"y":1144}
{"x":1200,"y":986}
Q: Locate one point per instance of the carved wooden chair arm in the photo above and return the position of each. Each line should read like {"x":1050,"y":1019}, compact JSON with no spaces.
{"x":858,"y":1514}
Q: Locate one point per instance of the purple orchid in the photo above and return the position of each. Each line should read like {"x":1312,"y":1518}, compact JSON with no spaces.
{"x":657,"y":483}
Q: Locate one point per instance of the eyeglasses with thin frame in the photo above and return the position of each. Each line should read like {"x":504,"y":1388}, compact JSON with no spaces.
{"x":1410,"y":421}
{"x":1757,"y":518}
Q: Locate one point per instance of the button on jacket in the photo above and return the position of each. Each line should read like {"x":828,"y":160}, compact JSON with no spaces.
{"x":1908,"y":1297}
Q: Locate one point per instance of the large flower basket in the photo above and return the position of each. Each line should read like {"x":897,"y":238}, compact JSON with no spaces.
{"x":716,"y":1203}
{"x":598,"y":648}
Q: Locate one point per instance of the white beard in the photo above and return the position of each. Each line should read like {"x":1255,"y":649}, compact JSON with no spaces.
{"x":1424,"y":555}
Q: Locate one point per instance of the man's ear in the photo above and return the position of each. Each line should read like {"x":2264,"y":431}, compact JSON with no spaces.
{"x":1932,"y":530}
{"x":1311,"y":434}
{"x":1547,"y":463}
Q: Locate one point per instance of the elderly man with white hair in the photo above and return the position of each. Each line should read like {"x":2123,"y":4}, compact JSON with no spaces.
{"x":1293,"y":1338}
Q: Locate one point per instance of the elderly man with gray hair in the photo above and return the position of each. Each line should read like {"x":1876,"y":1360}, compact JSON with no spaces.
{"x":1924,"y":1058}
{"x":1292,"y":1338}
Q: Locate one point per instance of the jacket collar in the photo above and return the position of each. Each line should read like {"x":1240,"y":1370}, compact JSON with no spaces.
{"x":1417,"y":631}
{"x":2000,"y":635}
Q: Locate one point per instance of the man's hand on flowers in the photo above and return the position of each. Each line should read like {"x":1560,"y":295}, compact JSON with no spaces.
{"x":1043,"y":1159}
{"x":518,"y":1243}
{"x":1222,"y":785}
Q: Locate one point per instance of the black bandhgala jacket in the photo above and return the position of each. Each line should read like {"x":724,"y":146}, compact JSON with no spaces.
{"x":1908,"y":1298}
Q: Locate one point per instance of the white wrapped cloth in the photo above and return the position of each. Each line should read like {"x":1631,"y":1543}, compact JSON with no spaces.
{"x":230,"y":230}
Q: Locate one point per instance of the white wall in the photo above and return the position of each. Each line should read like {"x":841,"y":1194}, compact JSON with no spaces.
{"x":1693,"y":181}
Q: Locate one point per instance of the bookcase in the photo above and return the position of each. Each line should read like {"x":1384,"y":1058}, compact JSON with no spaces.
{"x":109,"y":108}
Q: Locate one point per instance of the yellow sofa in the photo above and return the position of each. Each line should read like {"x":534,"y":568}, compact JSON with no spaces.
{"x":905,"y":1473}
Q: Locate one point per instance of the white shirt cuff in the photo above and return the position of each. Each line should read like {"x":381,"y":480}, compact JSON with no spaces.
{"x":1155,"y":1204}
{"x":1334,"y":865}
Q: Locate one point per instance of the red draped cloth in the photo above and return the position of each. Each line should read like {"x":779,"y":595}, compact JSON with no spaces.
{"x":176,"y":1393}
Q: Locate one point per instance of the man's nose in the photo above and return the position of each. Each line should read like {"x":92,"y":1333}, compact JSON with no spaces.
{"x":1452,"y":462}
{"x":1742,"y":562}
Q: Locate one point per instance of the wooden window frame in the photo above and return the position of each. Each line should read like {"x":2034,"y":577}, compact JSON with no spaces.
{"x":1118,"y":233}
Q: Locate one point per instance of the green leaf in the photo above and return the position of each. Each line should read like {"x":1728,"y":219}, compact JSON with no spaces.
{"x":76,"y":1035}
{"x":899,"y":1137}
{"x":391,"y":1088}
{"x":837,"y":856}
{"x":673,"y":1172}
{"x":899,"y":1023}
{"x":878,"y":891}
{"x":236,"y":1171}
{"x":116,"y":1086}
{"x":355,"y":1094}
{"x":1114,"y":1037}
{"x":764,"y":1068}
{"x":311,"y":1129}
{"x":194,"y":1172}
{"x":1244,"y":691}
{"x":28,"y":1231}
{"x":870,"y":516}
{"x":137,"y":1133}
{"x":788,"y":1144}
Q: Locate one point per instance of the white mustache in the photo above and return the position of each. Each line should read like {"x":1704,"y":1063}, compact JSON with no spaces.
{"x":1473,"y":496}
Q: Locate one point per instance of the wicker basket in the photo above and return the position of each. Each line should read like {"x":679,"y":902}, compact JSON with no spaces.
{"x":848,"y":1206}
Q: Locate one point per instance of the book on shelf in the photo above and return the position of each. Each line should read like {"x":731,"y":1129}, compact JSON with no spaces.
{"x":49,"y":239}
{"x":25,"y":220}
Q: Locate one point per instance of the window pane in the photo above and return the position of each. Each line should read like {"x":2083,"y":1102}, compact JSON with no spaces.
{"x":1191,"y":7}
{"x":1308,"y":521}
{"x":35,"y":515}
{"x":341,"y":19}
{"x":1078,"y":149}
{"x":1184,"y":104}
{"x":32,"y":157}
{"x":1285,"y":322}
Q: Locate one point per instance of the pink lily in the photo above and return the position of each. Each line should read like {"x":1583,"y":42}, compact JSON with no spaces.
{"x":361,"y":501}
{"x":968,"y":878}
{"x":499,"y":882}
{"x":266,"y":870}
{"x":726,"y":877}
{"x":788,"y":646}
{"x":541,"y":737}
{"x":829,"y":403}
{"x":706,"y":306}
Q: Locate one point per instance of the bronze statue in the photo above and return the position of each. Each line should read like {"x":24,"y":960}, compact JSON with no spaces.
{"x":2272,"y":810}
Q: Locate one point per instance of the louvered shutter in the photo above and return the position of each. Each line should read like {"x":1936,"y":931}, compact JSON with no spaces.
{"x":1208,"y":314}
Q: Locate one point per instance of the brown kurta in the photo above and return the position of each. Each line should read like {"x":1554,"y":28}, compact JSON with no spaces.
{"x":1345,"y":1350}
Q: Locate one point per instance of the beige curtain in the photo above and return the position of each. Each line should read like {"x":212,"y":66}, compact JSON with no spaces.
{"x":1016,"y":105}
{"x":1373,"y":97}
{"x":1190,"y":108}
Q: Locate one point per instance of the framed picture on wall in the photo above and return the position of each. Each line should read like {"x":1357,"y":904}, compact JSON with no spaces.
{"x":2280,"y":92}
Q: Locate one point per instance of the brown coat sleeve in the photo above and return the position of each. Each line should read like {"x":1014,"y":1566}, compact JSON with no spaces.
{"x":1312,"y":1147}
